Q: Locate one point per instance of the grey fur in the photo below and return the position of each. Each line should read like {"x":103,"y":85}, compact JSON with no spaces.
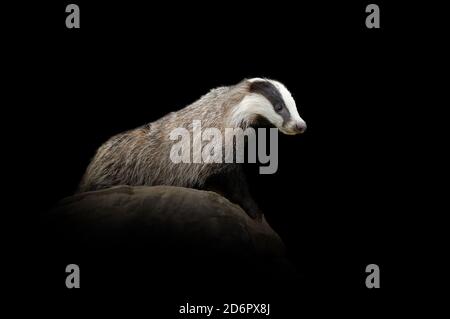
{"x":141,"y":156}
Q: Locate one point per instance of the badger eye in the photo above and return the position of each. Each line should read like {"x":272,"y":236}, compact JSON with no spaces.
{"x":278,"y":107}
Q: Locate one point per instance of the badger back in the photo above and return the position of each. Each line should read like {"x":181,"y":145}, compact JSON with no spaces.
{"x":142,"y":156}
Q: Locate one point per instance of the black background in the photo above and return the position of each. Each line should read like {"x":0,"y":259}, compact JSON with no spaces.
{"x":345,"y":193}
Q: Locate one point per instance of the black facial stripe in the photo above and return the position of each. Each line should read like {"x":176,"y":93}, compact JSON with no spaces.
{"x":271,"y":93}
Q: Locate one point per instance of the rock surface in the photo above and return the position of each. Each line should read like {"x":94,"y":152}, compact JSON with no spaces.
{"x":166,"y":218}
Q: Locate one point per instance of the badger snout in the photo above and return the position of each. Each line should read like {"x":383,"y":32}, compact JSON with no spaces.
{"x":294,"y":128}
{"x":300,"y":127}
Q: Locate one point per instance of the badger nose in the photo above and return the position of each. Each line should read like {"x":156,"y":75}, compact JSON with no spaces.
{"x":301,"y":127}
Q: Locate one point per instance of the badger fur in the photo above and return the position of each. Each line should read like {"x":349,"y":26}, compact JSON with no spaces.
{"x":141,"y":156}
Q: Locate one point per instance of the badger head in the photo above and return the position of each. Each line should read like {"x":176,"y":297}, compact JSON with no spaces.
{"x":271,"y":101}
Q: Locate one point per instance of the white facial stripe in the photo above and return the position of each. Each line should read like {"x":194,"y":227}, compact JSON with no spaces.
{"x":288,"y":100}
{"x":253,"y":104}
{"x":256,"y":79}
{"x":256,"y":104}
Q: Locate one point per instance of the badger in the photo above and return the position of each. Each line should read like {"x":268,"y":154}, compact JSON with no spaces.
{"x":141,"y":156}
